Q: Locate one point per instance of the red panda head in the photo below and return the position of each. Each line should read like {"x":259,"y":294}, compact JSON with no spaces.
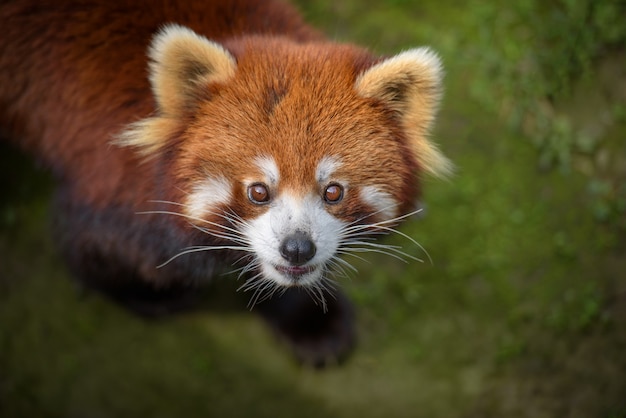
{"x":290,"y":151}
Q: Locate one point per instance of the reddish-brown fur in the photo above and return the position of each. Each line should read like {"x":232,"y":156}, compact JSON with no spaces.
{"x":336,"y":120}
{"x":74,"y":75}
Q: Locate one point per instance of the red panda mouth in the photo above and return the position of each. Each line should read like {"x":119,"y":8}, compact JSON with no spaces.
{"x":295,"y":271}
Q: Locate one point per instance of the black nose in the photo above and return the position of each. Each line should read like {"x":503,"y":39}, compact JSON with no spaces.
{"x":297,"y":248}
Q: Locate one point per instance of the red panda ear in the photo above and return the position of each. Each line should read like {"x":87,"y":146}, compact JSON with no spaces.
{"x":181,"y":60}
{"x":410,"y":84}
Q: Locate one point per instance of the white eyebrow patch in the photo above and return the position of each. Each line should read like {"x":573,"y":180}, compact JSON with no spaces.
{"x":206,"y":195}
{"x":268,"y":167}
{"x":382,"y":202}
{"x":325,"y":168}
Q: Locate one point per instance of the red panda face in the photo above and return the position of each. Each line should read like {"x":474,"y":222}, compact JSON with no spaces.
{"x":296,"y":238}
{"x":293,"y":233}
{"x":291,"y":152}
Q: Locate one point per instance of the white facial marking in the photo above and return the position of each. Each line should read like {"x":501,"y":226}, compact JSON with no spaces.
{"x":380,"y":201}
{"x":268,"y":167}
{"x":326,"y":168}
{"x":206,"y":195}
{"x":286,"y":215}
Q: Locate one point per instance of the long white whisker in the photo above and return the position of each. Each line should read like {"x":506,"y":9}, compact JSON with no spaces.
{"x":353,"y":231}
{"x":399,"y":256}
{"x":357,"y":225}
{"x":233,"y":218}
{"x":264,"y":285}
{"x":402,"y":234}
{"x":168,"y":202}
{"x":246,"y":256}
{"x":241,"y":271}
{"x":319,"y":288}
{"x":250,"y":283}
{"x":344,"y":263}
{"x":192,"y":218}
{"x":226,"y":236}
{"x":268,"y":295}
{"x":200,"y":249}
{"x":369,"y":246}
{"x":249,"y":267}
{"x":345,"y":251}
{"x":337,"y":269}
{"x":369,"y":215}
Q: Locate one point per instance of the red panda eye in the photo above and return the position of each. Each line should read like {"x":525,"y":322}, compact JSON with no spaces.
{"x":258,"y":193}
{"x":333,"y":193}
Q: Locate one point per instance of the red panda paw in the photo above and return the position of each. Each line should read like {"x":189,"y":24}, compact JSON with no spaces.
{"x":319,"y":334}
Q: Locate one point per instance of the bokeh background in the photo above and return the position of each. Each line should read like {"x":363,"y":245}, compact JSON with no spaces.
{"x":522,"y":312}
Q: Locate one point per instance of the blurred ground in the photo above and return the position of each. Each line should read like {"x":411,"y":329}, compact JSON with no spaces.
{"x":521,"y":314}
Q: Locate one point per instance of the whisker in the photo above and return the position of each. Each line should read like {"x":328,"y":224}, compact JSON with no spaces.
{"x":168,"y":202}
{"x":192,"y":218}
{"x":337,"y":269}
{"x":241,"y":271}
{"x":345,"y":251}
{"x":386,"y":221}
{"x":250,"y":283}
{"x":381,"y":251}
{"x":402,"y":234}
{"x":271,"y":293}
{"x":265,"y":284}
{"x":200,"y":249}
{"x":316,"y":295}
{"x":353,"y":231}
{"x":226,"y":236}
{"x":391,"y":248}
{"x":341,"y":262}
{"x":233,"y":217}
{"x":249,"y":267}
{"x":369,"y":215}
{"x":243,"y":257}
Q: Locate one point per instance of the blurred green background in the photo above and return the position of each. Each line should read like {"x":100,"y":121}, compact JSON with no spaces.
{"x":522,"y":312}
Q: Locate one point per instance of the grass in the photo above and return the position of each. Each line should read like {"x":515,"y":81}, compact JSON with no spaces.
{"x":520,"y":314}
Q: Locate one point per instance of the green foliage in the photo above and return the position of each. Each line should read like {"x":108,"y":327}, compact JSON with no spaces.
{"x":533,"y":59}
{"x":534,"y":50}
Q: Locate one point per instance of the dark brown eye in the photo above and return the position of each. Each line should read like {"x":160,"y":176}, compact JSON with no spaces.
{"x":258,"y":193}
{"x":333,"y":193}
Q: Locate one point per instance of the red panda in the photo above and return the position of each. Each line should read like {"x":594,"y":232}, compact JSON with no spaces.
{"x":191,"y":136}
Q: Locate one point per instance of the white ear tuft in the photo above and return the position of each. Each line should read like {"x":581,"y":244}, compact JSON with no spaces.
{"x":410,"y":84}
{"x":182,"y":63}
